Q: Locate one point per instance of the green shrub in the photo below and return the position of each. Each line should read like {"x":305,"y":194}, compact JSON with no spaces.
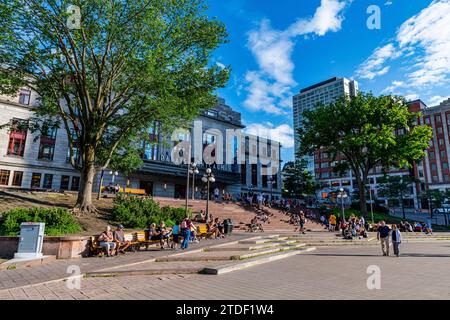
{"x":135,"y":212}
{"x":58,"y":221}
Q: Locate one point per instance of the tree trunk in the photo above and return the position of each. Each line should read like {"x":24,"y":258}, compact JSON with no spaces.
{"x":101,"y":185}
{"x":84,"y":202}
{"x":362,"y":194}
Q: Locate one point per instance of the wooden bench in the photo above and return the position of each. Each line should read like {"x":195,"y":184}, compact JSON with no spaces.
{"x":202,"y":232}
{"x":129,"y":191}
{"x":96,"y":249}
{"x":142,"y":239}
{"x":94,"y":246}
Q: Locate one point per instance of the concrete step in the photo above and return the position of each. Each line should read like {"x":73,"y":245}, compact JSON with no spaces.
{"x":247,"y":247}
{"x":227,"y":268}
{"x":228,"y":255}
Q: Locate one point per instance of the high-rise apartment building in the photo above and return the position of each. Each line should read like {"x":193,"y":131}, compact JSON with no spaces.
{"x":324,"y":92}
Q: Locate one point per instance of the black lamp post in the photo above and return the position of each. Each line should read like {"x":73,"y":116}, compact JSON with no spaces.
{"x":193,"y":170}
{"x":207,"y":178}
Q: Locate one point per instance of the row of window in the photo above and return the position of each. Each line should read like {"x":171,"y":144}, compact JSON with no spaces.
{"x":37,"y":179}
{"x":18,"y":137}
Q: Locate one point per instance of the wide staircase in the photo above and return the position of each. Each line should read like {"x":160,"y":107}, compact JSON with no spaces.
{"x":216,"y":259}
{"x":240,"y":214}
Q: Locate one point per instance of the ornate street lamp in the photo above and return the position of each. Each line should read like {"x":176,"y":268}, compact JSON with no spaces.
{"x":342,"y":195}
{"x":207,"y":178}
{"x":193,"y":170}
{"x":114,"y":174}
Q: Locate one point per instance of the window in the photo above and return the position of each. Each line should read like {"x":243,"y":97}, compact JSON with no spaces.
{"x":441,"y":142}
{"x":435,"y":179}
{"x":17,"y":138}
{"x":445,"y":166}
{"x":438,"y":119}
{"x":427,"y":120}
{"x":17,"y":179}
{"x":48,"y":181}
{"x":431,"y":155}
{"x":324,"y":165}
{"x":65,"y":183}
{"x":47,"y":145}
{"x":443,"y":154}
{"x":446,"y":177}
{"x":36,"y":180}
{"x":4,"y":177}
{"x":24,"y":96}
{"x":76,"y":155}
{"x":433,"y":166}
{"x":75,"y":150}
{"x":75,"y":184}
{"x":440,"y":130}
{"x":212,"y":113}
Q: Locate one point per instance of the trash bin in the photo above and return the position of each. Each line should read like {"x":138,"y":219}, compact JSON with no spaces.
{"x":228,"y":226}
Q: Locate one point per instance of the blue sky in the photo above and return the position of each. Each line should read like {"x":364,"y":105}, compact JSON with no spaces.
{"x":279,"y":47}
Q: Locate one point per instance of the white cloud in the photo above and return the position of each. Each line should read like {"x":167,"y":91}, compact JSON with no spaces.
{"x":436,"y":100}
{"x":328,"y":17}
{"x":388,"y":3}
{"x":283,"y":133}
{"x":374,"y":65}
{"x":427,"y":37}
{"x":220,"y":65}
{"x":270,"y":87}
{"x":393,"y":87}
{"x":412,"y":97}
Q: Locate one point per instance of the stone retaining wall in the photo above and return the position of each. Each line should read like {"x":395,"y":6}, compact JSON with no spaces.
{"x":62,"y":247}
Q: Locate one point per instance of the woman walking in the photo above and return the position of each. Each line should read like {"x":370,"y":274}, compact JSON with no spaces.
{"x":396,"y":239}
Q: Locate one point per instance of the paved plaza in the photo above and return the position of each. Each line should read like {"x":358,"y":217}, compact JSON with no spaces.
{"x":327,"y":273}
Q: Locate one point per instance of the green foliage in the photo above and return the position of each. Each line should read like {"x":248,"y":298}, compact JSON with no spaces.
{"x":360,"y":134}
{"x":58,"y":221}
{"x":126,"y":65}
{"x":395,"y":187}
{"x":297,"y":180}
{"x":136,"y":212}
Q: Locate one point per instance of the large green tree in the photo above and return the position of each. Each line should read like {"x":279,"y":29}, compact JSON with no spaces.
{"x":297,"y":180}
{"x":396,"y":188}
{"x":363,"y":133}
{"x":108,"y":69}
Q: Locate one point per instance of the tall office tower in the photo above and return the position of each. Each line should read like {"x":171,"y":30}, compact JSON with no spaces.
{"x":324,"y":92}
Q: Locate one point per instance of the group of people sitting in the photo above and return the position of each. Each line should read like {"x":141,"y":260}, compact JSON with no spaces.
{"x":113,"y":242}
{"x":355,"y":227}
{"x":256,"y":224}
{"x":181,"y":234}
{"x":405,"y":226}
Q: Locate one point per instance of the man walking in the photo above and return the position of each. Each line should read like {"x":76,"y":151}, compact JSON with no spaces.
{"x":383,"y":236}
{"x":396,"y":239}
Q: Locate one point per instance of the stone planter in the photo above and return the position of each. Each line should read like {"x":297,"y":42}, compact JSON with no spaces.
{"x":69,"y":247}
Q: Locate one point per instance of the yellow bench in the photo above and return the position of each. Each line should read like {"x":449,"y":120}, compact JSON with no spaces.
{"x":137,"y":192}
{"x":96,"y":249}
{"x":142,"y":239}
{"x":202,"y":231}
